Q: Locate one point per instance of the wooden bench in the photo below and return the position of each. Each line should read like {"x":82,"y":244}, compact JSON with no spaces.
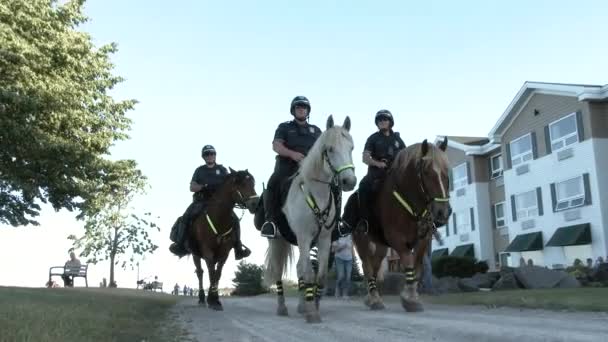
{"x":153,"y":286}
{"x":74,"y":272}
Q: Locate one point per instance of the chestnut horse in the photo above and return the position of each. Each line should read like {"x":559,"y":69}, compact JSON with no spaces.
{"x":212,"y":235}
{"x":412,"y":200}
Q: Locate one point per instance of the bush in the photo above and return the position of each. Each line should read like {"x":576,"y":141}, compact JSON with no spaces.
{"x":248,"y":280}
{"x":461,"y":267}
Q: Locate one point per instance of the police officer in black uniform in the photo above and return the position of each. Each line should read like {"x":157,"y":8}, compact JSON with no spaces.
{"x":379,"y":152}
{"x":292,"y":141}
{"x":206,"y":180}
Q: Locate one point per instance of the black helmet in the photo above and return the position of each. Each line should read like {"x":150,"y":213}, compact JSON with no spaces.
{"x":384,"y":113}
{"x":207,"y":148}
{"x":299,"y":101}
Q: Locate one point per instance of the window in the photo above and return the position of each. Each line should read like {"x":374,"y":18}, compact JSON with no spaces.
{"x":564,"y":132}
{"x":526,"y":205}
{"x":496,"y":162}
{"x":569,"y":193}
{"x":499,"y":214}
{"x":463,"y":221}
{"x":521,"y":150}
{"x":459,"y":174}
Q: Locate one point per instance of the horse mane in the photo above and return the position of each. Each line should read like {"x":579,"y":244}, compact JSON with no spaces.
{"x":413,"y":153}
{"x":312,"y":164}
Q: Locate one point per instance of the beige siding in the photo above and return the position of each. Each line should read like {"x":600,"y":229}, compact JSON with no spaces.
{"x":455,"y":156}
{"x":550,"y":108}
{"x":599,"y":120}
{"x":497,"y":193}
{"x":481,"y":169}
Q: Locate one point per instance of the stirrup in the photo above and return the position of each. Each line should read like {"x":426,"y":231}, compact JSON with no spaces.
{"x":362,"y":226}
{"x":269,"y":235}
{"x":344,"y":229}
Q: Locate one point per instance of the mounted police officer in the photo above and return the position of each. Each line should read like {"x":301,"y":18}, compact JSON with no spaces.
{"x":292,"y":141}
{"x":206,"y":180}
{"x":379,"y":152}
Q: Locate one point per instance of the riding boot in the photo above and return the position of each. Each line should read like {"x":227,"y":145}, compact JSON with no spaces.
{"x":363,"y":225}
{"x":240,"y":251}
{"x":269,"y":228}
{"x":178,"y":248}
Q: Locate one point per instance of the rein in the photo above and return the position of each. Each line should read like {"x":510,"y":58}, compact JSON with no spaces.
{"x":240,"y":204}
{"x":335,"y":196}
{"x":423,"y":217}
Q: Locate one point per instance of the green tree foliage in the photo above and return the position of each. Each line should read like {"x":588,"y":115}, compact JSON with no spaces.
{"x":114,"y":230}
{"x":248,"y":280}
{"x":57,"y":118}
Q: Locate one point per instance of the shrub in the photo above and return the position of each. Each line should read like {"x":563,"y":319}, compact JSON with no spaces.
{"x":248,"y":280}
{"x":461,"y":267}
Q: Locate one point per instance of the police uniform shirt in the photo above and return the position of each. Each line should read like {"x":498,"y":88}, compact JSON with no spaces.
{"x":211,"y":177}
{"x":296,"y":137}
{"x":382,"y":147}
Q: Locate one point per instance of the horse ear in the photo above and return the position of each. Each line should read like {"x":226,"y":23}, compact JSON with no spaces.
{"x":424,"y":148}
{"x":444,"y":144}
{"x":330,"y":122}
{"x":231,"y":170}
{"x":346,"y":124}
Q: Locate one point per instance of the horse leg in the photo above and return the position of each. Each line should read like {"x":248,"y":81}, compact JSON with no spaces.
{"x":376,"y":264}
{"x":199,"y":274}
{"x":301,"y":290}
{"x":324,"y":246}
{"x":281,"y":308}
{"x":409,"y":295}
{"x":212,"y":299}
{"x":307,"y":273}
{"x":216,"y":281}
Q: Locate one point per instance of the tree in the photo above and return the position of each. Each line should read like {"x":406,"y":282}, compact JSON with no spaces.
{"x":57,"y":120}
{"x":114,"y":230}
{"x":248,"y":280}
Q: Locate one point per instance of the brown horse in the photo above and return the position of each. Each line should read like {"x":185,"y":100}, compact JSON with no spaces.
{"x":212,"y":234}
{"x":412,"y":200}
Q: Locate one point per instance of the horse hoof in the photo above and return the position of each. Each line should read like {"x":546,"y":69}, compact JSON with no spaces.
{"x":411,"y":305}
{"x":282,"y":311}
{"x":367,"y":302}
{"x":216,"y":307}
{"x":377,"y":306}
{"x":313,"y":318}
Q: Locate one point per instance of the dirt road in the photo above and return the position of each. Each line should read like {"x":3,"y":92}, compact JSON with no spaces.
{"x":254,"y":319}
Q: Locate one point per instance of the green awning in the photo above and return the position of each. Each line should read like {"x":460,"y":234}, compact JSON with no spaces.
{"x":441,"y":252}
{"x":526,"y":242}
{"x":579,"y":234}
{"x":464,"y":251}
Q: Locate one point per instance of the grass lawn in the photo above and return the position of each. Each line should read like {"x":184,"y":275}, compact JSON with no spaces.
{"x":581,"y":299}
{"x":75,"y":314}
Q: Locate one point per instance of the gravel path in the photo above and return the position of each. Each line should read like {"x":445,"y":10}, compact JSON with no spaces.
{"x":254,"y":319}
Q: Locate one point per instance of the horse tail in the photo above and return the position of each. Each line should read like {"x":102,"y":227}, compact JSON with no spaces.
{"x":278,"y":257}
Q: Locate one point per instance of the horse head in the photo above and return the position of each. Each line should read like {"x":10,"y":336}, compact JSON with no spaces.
{"x":332,"y":155}
{"x":432,"y":173}
{"x":242,"y":185}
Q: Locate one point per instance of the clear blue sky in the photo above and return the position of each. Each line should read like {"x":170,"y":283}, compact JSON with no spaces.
{"x":224,"y":73}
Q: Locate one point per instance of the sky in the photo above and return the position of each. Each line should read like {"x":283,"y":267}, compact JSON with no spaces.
{"x":224,"y":73}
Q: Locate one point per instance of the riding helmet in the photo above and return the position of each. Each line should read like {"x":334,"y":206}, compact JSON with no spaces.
{"x":299,"y":101}
{"x":384,"y":113}
{"x":207,"y":148}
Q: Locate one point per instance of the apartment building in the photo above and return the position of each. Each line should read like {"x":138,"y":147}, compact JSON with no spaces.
{"x":536,"y":186}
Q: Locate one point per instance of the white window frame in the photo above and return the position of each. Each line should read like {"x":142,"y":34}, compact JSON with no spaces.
{"x":529,"y":212}
{"x":498,"y":172}
{"x":464,"y":180}
{"x":466,"y":226}
{"x":528,"y":154}
{"x":565,"y":137}
{"x":572,"y":201}
{"x":504,"y":215}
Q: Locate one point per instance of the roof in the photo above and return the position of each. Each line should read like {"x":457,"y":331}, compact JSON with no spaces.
{"x":583,"y":92}
{"x":469,"y":145}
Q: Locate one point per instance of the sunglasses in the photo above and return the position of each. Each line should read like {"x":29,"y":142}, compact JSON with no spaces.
{"x":207,"y":154}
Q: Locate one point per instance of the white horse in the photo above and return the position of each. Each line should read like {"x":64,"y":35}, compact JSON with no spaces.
{"x":312,"y":210}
